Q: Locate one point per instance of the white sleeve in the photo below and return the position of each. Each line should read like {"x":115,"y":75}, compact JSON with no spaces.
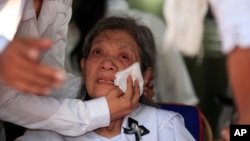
{"x":174,"y":130}
{"x":9,"y":26}
{"x":233,"y":20}
{"x":3,"y":43}
{"x":10,"y":15}
{"x":69,"y":117}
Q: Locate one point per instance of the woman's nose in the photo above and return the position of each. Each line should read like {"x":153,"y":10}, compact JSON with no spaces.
{"x":108,"y":64}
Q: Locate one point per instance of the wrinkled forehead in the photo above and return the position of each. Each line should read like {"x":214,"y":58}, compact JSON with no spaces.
{"x":119,"y":37}
{"x":114,"y":33}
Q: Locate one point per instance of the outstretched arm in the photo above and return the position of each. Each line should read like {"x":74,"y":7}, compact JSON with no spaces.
{"x":66,"y":116}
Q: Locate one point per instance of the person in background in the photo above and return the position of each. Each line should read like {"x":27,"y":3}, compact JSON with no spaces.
{"x":23,"y":53}
{"x":116,"y":44}
{"x":232,"y":19}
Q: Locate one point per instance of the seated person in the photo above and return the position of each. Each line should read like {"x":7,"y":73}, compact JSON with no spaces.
{"x":113,"y":45}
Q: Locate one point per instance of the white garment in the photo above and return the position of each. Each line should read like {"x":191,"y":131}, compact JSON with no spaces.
{"x":3,"y":43}
{"x":69,"y":117}
{"x":162,"y":125}
{"x":233,"y":19}
{"x":10,"y":13}
{"x":172,"y":82}
{"x":185,"y":25}
{"x":66,"y":116}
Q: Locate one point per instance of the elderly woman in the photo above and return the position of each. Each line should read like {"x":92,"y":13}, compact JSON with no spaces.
{"x":113,"y":45}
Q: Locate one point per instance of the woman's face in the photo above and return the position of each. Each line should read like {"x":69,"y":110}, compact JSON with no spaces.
{"x":111,"y":51}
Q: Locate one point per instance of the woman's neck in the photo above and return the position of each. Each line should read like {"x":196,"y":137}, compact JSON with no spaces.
{"x":112,"y":130}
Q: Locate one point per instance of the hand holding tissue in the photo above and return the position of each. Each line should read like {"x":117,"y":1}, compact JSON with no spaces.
{"x":121,"y":77}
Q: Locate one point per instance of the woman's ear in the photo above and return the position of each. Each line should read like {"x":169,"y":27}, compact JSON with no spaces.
{"x":83,"y":64}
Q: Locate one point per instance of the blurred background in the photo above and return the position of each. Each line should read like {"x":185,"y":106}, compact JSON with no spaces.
{"x":207,"y":72}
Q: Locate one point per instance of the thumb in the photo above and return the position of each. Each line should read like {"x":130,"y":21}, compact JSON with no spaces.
{"x":40,"y":44}
{"x":114,"y":93}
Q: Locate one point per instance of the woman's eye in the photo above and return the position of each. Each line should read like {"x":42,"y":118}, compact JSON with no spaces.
{"x":96,"y":52}
{"x":124,"y":57}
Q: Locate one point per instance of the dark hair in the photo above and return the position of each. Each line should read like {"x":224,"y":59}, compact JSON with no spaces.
{"x":140,"y":33}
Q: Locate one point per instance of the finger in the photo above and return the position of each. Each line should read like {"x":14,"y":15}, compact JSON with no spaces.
{"x":31,"y":48}
{"x":148,"y":75}
{"x":136,"y":94}
{"x":25,"y":85}
{"x":129,"y":91}
{"x":41,"y":44}
{"x":225,"y":134}
{"x":25,"y":72}
{"x":150,"y":85}
{"x":40,"y":74}
{"x":37,"y":82}
{"x":150,"y":95}
{"x":116,"y":92}
{"x":46,"y":71}
{"x":25,"y":82}
{"x":29,"y":88}
{"x":50,"y":75}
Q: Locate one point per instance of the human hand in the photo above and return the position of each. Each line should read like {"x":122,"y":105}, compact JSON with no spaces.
{"x":148,"y":85}
{"x":21,"y":69}
{"x":225,"y":134}
{"x":121,"y":104}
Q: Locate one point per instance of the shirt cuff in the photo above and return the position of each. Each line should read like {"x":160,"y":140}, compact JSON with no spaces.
{"x":75,"y":117}
{"x":98,"y":112}
{"x":3,"y":43}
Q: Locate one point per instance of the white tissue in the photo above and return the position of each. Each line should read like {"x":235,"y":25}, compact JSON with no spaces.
{"x":121,"y":77}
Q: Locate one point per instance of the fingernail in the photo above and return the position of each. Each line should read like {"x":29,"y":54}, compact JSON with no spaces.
{"x":60,"y":75}
{"x":33,"y":54}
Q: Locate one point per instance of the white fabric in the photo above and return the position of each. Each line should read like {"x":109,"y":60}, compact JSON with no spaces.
{"x":233,"y":19}
{"x":163,"y":125}
{"x":10,"y":13}
{"x":185,"y":25}
{"x":231,"y":16}
{"x":64,"y":116}
{"x":172,"y":83}
{"x":121,"y":77}
{"x":3,"y":43}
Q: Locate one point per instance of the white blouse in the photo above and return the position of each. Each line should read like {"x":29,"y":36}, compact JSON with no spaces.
{"x":162,"y":125}
{"x":233,"y":19}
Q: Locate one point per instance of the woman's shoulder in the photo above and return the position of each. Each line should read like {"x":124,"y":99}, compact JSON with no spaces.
{"x":159,"y":114}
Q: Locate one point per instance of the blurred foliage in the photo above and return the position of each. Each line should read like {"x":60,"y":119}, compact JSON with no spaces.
{"x":152,"y":6}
